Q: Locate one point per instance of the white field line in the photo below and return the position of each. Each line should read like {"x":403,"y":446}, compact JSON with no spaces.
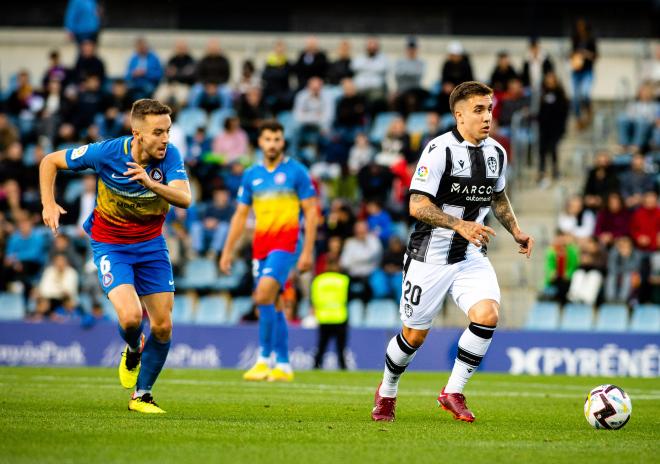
{"x":335,"y":389}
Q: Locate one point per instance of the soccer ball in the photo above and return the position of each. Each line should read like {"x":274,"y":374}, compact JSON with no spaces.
{"x":607,"y":407}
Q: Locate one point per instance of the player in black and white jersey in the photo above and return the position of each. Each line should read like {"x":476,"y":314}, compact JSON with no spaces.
{"x":460,"y":177}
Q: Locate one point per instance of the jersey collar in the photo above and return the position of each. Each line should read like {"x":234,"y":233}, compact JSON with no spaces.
{"x":457,"y":135}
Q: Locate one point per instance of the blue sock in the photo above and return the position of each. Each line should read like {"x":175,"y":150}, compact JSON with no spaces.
{"x":131,"y":336}
{"x":281,"y":339}
{"x":153,"y":358}
{"x":266,"y":319}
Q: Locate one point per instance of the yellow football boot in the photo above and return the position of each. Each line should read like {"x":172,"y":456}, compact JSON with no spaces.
{"x":258,"y":372}
{"x":144,"y":404}
{"x":280,"y":375}
{"x":129,"y":366}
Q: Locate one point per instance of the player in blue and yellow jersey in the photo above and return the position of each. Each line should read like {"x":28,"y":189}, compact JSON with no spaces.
{"x":138,"y":178}
{"x":276,"y":189}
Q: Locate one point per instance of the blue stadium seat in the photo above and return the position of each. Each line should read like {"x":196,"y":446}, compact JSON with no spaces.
{"x":382,"y":314}
{"x":416,"y":122}
{"x":229,"y":282}
{"x":211,"y":310}
{"x":355,"y":313}
{"x":612,"y":318}
{"x":199,"y":274}
{"x":240,"y":306}
{"x":544,"y":315}
{"x":286,"y":119}
{"x":645,"y":319}
{"x":577,"y":317}
{"x":12,"y":307}
{"x":217,"y":119}
{"x":380,"y":125}
{"x":190,"y":119}
{"x":182,"y":312}
{"x":109,"y":309}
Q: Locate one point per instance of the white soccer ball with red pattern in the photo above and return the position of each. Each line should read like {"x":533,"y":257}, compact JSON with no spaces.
{"x":607,"y":407}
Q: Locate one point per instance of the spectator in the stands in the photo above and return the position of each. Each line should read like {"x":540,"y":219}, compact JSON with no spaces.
{"x":645,"y":223}
{"x":8,"y":132}
{"x":361,"y":153}
{"x":214,"y":65}
{"x":387,"y":279}
{"x":379,"y":221}
{"x":552,"y":116}
{"x":313,"y":113}
{"x":56,"y":71}
{"x":179,"y":76}
{"x":576,"y":220}
{"x":144,"y":70}
{"x":277,"y":92}
{"x":88,"y":63}
{"x":209,"y":233}
{"x":613,"y":221}
{"x":312,"y":62}
{"x":562,"y":258}
{"x":395,"y":145}
{"x":408,"y":73}
{"x":434,"y":128}
{"x":20,"y":102}
{"x":360,"y":258}
{"x":340,"y":69}
{"x":513,"y":100}
{"x":623,"y":266}
{"x":502,"y":73}
{"x":587,"y":279}
{"x":59,"y":281}
{"x":251,"y":112}
{"x":340,"y":220}
{"x":636,"y":181}
{"x":375,"y":182}
{"x":248,"y":80}
{"x":536,"y":65}
{"x":583,"y":56}
{"x":231,"y":143}
{"x":457,"y":68}
{"x":351,"y":113}
{"x":25,"y":254}
{"x":82,"y":19}
{"x":636,"y":123}
{"x":601,"y":181}
{"x":90,"y":102}
{"x":371,"y":75}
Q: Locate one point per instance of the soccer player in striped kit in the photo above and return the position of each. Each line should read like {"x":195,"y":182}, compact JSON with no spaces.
{"x":460,"y":177}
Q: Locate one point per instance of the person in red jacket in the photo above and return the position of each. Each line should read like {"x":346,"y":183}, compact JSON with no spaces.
{"x":645,"y":225}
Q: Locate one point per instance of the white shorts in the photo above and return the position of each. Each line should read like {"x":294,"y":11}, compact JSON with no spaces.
{"x":426,"y":285}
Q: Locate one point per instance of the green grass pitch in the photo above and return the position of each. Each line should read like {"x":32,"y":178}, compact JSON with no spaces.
{"x":79,"y":415}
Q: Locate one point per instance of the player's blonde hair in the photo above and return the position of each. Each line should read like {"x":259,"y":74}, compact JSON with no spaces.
{"x":146,"y":106}
{"x":466,"y":90}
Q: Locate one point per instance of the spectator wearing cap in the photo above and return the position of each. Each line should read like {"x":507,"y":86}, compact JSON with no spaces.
{"x":456,"y":68}
{"x":408,"y":73}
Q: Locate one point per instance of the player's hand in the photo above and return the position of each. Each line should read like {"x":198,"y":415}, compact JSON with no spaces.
{"x":526,"y":243}
{"x":475,"y":233}
{"x":138,"y":174}
{"x":305,"y":262}
{"x":51,"y":215}
{"x":225,"y":263}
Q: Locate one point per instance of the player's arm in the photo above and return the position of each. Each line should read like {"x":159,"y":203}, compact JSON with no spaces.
{"x":176,"y":193}
{"x":503,"y":211}
{"x":423,"y":209}
{"x":310,"y":211}
{"x":47,"y":172}
{"x":236,"y":228}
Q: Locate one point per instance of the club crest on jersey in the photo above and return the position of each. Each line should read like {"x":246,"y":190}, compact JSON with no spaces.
{"x":408,"y":310}
{"x":492,"y":165}
{"x":422,"y":171}
{"x":156,"y":174}
{"x":107,"y":279}
{"x":280,"y":178}
{"x":78,"y":152}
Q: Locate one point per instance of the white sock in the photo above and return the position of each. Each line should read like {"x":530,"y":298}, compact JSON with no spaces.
{"x":286,"y":367}
{"x":263,"y":359}
{"x":398,"y":356}
{"x":139,"y":393}
{"x":472,"y":347}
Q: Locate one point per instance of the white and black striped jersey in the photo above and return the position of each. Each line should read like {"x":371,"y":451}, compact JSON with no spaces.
{"x":459,"y":178}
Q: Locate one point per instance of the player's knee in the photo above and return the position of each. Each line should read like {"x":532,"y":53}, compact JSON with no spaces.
{"x":130,"y":320}
{"x":414,"y":338}
{"x":162,"y":330}
{"x":485,"y":313}
{"x":263,"y":298}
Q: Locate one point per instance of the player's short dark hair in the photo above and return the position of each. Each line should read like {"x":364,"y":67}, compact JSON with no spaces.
{"x":146,"y":106}
{"x":466,"y":90}
{"x":272,"y":125}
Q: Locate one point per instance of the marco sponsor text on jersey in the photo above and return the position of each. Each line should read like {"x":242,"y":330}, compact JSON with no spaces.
{"x":609,"y":360}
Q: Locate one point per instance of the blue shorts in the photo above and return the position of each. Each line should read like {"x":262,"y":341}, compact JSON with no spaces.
{"x":145,"y":265}
{"x":277,"y":265}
